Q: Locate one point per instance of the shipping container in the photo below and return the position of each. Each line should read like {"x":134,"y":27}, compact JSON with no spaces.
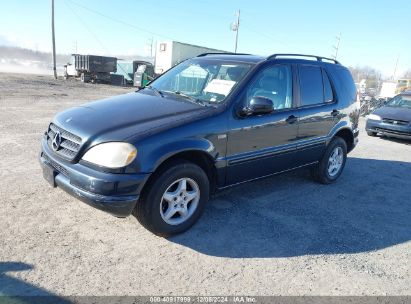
{"x":170,"y":53}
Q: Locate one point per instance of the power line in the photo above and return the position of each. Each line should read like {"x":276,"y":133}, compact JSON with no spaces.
{"x":119,"y":21}
{"x":263,"y":34}
{"x":87,"y":28}
{"x":91,"y":32}
{"x":139,"y":29}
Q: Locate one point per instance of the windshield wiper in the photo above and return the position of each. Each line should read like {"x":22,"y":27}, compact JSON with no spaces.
{"x":156,"y":91}
{"x":191,"y":98}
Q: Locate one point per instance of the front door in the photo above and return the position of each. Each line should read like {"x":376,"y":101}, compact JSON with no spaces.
{"x":265,"y":144}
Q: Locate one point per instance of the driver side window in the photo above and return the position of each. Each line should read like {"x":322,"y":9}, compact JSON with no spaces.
{"x":274,"y":83}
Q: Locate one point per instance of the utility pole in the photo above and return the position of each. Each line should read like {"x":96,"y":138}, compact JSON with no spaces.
{"x":234,"y":27}
{"x":396,"y":66}
{"x":151,"y":46}
{"x":148,"y":47}
{"x":53,"y":39}
{"x":337,"y":46}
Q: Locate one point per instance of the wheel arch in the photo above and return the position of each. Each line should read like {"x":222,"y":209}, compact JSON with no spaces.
{"x":347,"y":135}
{"x":198,"y":157}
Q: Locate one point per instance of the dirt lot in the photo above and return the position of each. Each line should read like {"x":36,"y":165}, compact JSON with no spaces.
{"x":284,"y":235}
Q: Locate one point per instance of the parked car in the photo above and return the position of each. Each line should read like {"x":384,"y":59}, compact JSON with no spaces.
{"x":393,"y":119}
{"x":209,"y":123}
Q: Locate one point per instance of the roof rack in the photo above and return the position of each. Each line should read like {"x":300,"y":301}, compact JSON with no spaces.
{"x":319,"y":58}
{"x":220,"y":53}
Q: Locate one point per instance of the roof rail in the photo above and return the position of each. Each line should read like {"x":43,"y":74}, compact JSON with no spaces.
{"x":220,"y":53}
{"x":319,"y":58}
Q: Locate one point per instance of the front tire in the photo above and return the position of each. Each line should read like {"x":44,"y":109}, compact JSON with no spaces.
{"x":332,"y":163}
{"x":370,"y":133}
{"x":174,"y":199}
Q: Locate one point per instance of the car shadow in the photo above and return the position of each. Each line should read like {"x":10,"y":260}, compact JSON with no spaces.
{"x":13,"y":290}
{"x":290,"y":215}
{"x":397,"y":140}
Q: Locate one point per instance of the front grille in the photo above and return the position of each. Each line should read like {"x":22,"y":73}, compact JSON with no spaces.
{"x":69,"y":145}
{"x":56,"y":166}
{"x":395,"y":122}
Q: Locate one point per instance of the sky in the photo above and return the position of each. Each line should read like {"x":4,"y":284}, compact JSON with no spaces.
{"x":373,"y":33}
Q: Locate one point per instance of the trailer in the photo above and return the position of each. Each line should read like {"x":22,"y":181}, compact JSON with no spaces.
{"x":170,"y":53}
{"x":90,"y":68}
{"x":387,"y":90}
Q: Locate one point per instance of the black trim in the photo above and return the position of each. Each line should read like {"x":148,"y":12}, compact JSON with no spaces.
{"x":260,"y":154}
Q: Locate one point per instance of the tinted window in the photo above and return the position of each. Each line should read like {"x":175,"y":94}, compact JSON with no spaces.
{"x":275,"y":83}
{"x":328,"y":91}
{"x":345,"y":79}
{"x":311,"y":85}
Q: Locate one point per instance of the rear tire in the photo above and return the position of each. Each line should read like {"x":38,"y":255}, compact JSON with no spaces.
{"x":174,"y":199}
{"x":370,"y":133}
{"x":332,"y":163}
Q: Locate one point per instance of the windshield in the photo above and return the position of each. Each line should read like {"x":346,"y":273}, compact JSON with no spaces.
{"x":403,"y":82}
{"x":201,"y":80}
{"x":400,"y":101}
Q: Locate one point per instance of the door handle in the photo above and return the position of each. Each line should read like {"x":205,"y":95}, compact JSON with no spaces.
{"x":291,"y":119}
{"x":335,"y":113}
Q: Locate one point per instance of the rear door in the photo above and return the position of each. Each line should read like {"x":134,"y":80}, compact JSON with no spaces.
{"x":317,"y":112}
{"x":264,"y":144}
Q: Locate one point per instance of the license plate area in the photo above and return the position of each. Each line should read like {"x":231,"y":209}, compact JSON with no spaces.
{"x":49,"y":175}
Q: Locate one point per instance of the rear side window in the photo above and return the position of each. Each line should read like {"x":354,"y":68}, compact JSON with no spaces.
{"x":328,"y":91}
{"x":346,"y":80}
{"x":311,"y":85}
{"x":315,"y":86}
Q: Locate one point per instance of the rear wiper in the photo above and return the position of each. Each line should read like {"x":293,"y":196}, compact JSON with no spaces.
{"x":156,"y":91}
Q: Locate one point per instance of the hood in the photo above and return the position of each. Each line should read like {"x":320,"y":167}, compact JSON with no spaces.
{"x":395,"y":113}
{"x":123,"y":116}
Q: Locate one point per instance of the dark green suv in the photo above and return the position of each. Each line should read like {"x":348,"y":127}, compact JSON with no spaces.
{"x":209,"y":123}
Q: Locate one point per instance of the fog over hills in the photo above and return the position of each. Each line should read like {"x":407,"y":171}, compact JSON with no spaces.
{"x":21,"y":60}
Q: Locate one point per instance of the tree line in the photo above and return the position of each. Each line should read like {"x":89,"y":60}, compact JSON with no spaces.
{"x":373,"y":76}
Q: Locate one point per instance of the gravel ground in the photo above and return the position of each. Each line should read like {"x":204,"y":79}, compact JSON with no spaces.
{"x":284,"y":235}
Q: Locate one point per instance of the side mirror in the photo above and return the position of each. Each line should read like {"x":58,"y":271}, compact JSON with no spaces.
{"x":258,"y":105}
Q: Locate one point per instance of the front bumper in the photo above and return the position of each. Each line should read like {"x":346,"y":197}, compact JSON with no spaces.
{"x":116,"y":194}
{"x":397,"y":131}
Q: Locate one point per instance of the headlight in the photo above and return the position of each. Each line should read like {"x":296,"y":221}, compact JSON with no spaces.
{"x":374,"y":117}
{"x":111,"y":155}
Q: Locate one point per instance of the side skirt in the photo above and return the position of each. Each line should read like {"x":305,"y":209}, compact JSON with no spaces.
{"x":268,"y":175}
